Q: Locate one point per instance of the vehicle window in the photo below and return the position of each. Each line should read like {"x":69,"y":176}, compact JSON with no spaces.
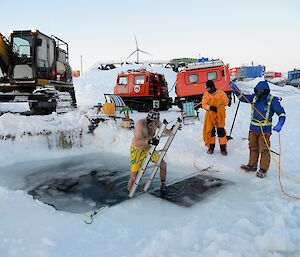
{"x":51,"y":51}
{"x":42,"y":55}
{"x":139,"y":80}
{"x":22,"y":45}
{"x":62,"y":55}
{"x":193,"y":78}
{"x":123,"y":81}
{"x":211,"y":75}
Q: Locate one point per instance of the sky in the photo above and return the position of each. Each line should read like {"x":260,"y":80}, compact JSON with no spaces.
{"x":238,"y":32}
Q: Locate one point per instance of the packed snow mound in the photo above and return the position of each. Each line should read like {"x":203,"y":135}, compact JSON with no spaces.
{"x":16,"y":124}
{"x":278,"y":81}
{"x":247,"y":87}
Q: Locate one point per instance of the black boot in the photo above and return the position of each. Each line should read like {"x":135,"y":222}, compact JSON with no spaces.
{"x":223,"y":149}
{"x":211,"y":149}
{"x":163,"y":189}
{"x":249,"y":168}
{"x":261,"y":173}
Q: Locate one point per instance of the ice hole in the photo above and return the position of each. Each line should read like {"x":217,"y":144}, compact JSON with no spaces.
{"x":87,"y":182}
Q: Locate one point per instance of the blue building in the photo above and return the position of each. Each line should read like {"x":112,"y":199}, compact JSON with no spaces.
{"x":251,"y":71}
{"x":293,"y":76}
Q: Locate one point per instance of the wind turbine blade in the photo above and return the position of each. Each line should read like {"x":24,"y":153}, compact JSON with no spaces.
{"x":137,"y":46}
{"x":144,"y":52}
{"x":131,"y":54}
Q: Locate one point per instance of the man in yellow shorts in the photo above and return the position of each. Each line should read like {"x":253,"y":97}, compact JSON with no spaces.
{"x":144,"y":133}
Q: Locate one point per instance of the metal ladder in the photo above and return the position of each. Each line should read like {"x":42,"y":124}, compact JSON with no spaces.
{"x":162,"y":152}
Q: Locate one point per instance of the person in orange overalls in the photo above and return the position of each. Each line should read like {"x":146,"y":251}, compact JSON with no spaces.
{"x":214,"y":102}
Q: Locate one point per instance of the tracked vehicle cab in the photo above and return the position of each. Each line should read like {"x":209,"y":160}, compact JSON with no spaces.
{"x":143,"y":90}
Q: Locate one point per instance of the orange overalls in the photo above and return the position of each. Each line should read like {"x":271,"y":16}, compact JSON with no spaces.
{"x":214,"y":119}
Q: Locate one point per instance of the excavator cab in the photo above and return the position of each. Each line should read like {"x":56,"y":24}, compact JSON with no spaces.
{"x":36,"y":68}
{"x":37,"y":56}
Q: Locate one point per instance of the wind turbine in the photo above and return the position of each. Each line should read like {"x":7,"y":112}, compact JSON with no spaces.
{"x":137,"y":50}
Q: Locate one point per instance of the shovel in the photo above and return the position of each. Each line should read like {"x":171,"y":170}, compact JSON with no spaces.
{"x":237,"y":108}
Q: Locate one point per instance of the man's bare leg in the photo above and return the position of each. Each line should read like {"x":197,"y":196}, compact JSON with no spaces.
{"x":163,"y":171}
{"x":163,"y":174}
{"x":131,"y":180}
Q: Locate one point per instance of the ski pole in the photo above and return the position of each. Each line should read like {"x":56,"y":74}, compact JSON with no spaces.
{"x":237,"y":108}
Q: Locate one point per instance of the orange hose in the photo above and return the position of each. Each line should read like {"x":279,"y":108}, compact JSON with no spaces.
{"x":279,"y":163}
{"x":279,"y":178}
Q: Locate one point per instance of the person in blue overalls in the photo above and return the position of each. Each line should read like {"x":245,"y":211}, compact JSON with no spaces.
{"x":264,"y":105}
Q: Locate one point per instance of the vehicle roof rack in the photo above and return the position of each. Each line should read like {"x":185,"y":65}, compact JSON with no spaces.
{"x":201,"y":65}
{"x":136,"y":70}
{"x":62,"y":45}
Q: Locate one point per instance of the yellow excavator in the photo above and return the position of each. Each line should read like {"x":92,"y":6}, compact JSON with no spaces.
{"x":35,"y":70}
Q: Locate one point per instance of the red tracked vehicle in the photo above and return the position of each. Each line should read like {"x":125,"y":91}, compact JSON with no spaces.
{"x":143,"y":90}
{"x":191,"y":79}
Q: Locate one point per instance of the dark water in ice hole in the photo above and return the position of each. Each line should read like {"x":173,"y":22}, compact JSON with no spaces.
{"x":73,"y":184}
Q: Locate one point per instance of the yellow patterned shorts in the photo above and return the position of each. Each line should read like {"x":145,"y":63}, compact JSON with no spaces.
{"x":137,"y":156}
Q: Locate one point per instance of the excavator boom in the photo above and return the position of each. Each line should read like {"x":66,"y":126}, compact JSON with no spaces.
{"x":4,"y":55}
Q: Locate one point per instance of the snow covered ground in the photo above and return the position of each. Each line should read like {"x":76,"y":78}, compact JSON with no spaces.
{"x":250,"y":217}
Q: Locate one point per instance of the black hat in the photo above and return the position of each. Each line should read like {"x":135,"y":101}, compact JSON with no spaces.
{"x":210,"y":84}
{"x":153,"y":115}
